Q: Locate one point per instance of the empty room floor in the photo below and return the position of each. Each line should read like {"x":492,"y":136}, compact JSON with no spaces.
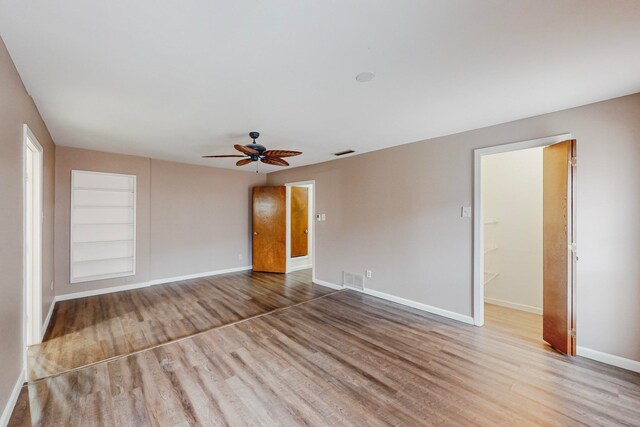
{"x":89,"y":330}
{"x":342,"y":358}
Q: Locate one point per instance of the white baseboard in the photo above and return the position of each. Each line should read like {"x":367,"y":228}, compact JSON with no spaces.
{"x":515,"y":306}
{"x":113,"y":289}
{"x":13,"y":398}
{"x":45,"y":324}
{"x":418,"y":305}
{"x":403,"y":301}
{"x":327,"y":284}
{"x":609,"y":359}
{"x":198,"y":275}
{"x":299,"y":267}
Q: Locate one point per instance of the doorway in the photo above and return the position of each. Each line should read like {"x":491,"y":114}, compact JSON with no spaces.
{"x":283,"y":228}
{"x":33,"y":216}
{"x":524,"y":238}
{"x":300,"y":221}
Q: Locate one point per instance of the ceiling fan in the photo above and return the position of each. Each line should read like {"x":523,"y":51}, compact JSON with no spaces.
{"x":254,"y":152}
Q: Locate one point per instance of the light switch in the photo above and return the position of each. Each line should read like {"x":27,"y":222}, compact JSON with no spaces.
{"x":324,"y":217}
{"x":466,"y":211}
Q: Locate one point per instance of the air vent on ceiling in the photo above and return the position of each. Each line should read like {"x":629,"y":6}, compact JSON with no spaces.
{"x":342,"y":153}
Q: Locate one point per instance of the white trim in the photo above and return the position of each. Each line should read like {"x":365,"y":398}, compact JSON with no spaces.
{"x":609,"y":359}
{"x":403,"y":301}
{"x":418,"y":305}
{"x":299,"y":267}
{"x":478,"y":234}
{"x":103,"y":291}
{"x":311,"y":224}
{"x":13,"y":398}
{"x":327,"y":284}
{"x":32,"y":292}
{"x":514,"y":305}
{"x":45,"y":324}
{"x":198,"y":275}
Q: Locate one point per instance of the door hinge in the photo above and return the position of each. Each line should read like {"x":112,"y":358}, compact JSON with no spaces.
{"x":574,"y":161}
{"x":573,"y":247}
{"x":572,"y":332}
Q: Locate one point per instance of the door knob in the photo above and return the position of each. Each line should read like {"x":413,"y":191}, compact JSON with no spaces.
{"x":255,"y":233}
{"x":306,"y":231}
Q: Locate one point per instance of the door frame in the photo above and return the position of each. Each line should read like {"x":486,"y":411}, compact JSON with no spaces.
{"x":312,"y":225}
{"x":32,"y":289}
{"x":478,"y":220}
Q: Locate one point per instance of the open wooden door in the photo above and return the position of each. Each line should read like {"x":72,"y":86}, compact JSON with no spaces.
{"x":269,"y":229}
{"x":559,"y":247}
{"x":299,"y":221}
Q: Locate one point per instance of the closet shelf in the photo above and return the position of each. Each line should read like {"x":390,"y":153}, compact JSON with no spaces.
{"x":490,"y":222}
{"x":491,"y":249}
{"x":113,"y":190}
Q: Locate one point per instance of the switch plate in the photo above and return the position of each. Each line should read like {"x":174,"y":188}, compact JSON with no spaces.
{"x":324,"y":217}
{"x":368,"y":273}
{"x":466,"y":211}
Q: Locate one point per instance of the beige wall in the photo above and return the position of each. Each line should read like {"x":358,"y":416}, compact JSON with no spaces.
{"x":190,"y":219}
{"x":68,"y":159}
{"x":397,"y":212}
{"x":17,"y":108}
{"x":200,"y":218}
{"x":512,"y":208}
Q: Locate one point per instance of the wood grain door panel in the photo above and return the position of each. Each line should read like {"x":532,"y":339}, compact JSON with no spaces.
{"x":299,"y":221}
{"x":558,"y":258}
{"x":269,"y":229}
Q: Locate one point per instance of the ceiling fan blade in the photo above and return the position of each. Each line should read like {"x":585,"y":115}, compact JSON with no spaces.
{"x":274,"y":161}
{"x":243,"y":162}
{"x":282,"y":153}
{"x":224,"y":155}
{"x":245,"y":150}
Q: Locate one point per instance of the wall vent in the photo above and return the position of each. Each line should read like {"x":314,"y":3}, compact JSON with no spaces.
{"x":342,"y":153}
{"x":351,"y":280}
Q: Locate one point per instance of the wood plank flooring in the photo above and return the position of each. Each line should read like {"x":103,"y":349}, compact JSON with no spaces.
{"x":341,"y":360}
{"x":89,"y":330}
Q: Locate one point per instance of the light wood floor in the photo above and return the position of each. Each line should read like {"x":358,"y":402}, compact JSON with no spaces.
{"x":343,"y":359}
{"x":89,"y":330}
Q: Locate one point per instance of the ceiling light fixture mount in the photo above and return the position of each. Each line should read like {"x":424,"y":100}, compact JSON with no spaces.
{"x":365,"y":76}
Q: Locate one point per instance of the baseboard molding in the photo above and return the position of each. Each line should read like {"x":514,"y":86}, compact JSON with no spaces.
{"x":75,"y":295}
{"x":45,"y":324}
{"x":198,"y":275}
{"x":609,"y":359}
{"x":513,"y":305}
{"x":418,"y":305}
{"x":328,"y":284}
{"x":299,"y":267}
{"x":13,"y":398}
{"x":403,"y":301}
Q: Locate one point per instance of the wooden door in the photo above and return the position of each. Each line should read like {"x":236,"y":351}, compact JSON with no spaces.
{"x":559,"y":252}
{"x":269,"y":229}
{"x":299,"y":221}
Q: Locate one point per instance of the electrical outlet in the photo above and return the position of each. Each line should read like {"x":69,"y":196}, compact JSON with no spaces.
{"x":368,"y":273}
{"x":324,"y":217}
{"x":466,"y":212}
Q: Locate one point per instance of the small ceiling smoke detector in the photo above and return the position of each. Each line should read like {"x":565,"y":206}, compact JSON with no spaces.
{"x":365,"y":76}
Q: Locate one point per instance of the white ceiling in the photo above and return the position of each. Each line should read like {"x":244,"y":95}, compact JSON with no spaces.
{"x":178,"y":79}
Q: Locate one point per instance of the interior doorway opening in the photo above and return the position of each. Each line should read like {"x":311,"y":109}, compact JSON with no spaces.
{"x":33,"y":217}
{"x":300,"y":198}
{"x":524,"y":239}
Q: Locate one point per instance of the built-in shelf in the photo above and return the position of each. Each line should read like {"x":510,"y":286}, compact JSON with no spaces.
{"x":113,"y":190}
{"x":490,"y":222}
{"x":103,"y":225}
{"x":488,"y":276}
{"x":491,"y":249}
